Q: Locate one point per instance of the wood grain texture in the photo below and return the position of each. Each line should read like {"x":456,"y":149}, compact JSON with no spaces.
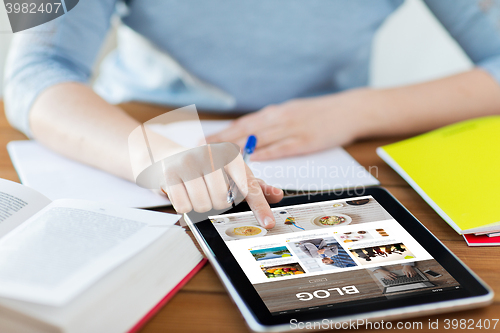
{"x":203,"y":304}
{"x":7,"y":133}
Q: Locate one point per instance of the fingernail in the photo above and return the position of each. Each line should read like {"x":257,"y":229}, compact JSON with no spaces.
{"x":268,"y":222}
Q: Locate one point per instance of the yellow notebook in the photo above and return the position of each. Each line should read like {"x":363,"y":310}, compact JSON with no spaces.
{"x":456,"y":169}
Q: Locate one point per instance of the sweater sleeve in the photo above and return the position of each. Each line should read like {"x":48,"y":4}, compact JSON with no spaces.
{"x":474,"y":27}
{"x":62,"y":50}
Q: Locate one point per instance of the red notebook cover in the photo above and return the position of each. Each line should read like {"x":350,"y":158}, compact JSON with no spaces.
{"x":482,"y":240}
{"x":165,"y":299}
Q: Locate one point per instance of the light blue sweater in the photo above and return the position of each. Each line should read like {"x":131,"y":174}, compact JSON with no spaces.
{"x":224,"y":54}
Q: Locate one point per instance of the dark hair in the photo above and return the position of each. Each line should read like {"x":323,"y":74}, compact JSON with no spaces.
{"x":330,"y":261}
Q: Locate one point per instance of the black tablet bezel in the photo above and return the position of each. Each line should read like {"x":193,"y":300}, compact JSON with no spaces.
{"x":471,"y":287}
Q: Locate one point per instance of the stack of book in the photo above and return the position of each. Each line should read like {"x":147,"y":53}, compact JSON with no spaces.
{"x":456,"y":169}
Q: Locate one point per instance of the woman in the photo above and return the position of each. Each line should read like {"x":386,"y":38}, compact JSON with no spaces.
{"x":302,"y":65}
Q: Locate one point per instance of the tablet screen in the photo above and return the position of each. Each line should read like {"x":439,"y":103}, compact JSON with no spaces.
{"x":324,"y":254}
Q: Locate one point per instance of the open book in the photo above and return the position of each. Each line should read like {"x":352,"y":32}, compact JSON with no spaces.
{"x":82,"y":266}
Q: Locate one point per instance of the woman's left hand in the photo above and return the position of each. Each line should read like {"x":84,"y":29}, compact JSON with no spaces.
{"x":303,"y":126}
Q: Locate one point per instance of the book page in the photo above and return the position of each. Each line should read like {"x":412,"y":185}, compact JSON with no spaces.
{"x":17,"y":204}
{"x":325,"y":170}
{"x":70,"y":244}
{"x":59,"y":177}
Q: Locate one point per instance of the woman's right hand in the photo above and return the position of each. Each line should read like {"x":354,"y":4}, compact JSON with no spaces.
{"x":197,"y":179}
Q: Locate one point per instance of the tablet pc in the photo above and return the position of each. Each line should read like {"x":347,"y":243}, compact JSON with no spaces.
{"x":334,"y":260}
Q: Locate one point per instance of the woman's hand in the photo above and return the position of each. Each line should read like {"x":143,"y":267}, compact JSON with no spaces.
{"x":408,"y":271}
{"x":304,"y":125}
{"x":196,"y":179}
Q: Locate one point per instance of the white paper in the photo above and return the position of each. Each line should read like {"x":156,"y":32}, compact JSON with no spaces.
{"x":17,"y":204}
{"x":58,"y":177}
{"x":327,"y":170}
{"x":70,"y":244}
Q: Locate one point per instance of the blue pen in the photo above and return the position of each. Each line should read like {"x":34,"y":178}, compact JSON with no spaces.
{"x":247,"y":151}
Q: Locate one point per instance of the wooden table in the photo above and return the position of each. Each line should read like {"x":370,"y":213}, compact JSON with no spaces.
{"x":204,"y":306}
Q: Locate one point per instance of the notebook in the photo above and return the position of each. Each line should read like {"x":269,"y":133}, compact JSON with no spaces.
{"x":456,"y":170}
{"x":482,"y":240}
{"x":80,"y":266}
{"x":58,"y":177}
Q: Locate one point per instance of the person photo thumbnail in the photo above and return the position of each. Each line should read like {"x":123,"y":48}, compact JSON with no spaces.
{"x":382,"y":253}
{"x":271,"y":253}
{"x":282,"y":270}
{"x":327,"y":252}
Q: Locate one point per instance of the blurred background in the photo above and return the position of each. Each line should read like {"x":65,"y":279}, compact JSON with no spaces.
{"x":410,"y":47}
